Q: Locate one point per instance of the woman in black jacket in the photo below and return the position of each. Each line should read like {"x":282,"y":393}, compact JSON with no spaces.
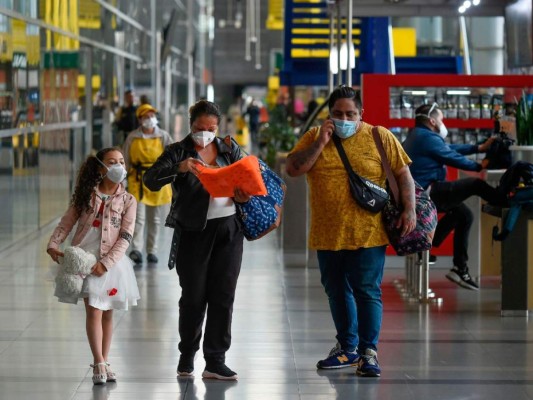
{"x":207,"y":243}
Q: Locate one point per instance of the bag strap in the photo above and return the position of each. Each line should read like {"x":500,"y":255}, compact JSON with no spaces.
{"x":344,"y":158}
{"x":393,"y":185}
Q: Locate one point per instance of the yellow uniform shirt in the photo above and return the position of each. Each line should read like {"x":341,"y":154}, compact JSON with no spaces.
{"x":337,"y":221}
{"x":142,"y":155}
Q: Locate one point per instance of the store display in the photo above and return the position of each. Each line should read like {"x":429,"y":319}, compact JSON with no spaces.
{"x":451,"y":93}
{"x":395,"y":107}
{"x":407,"y":106}
{"x":451,"y":107}
{"x":463,"y":111}
{"x":474,"y":107}
{"x":486,"y":112}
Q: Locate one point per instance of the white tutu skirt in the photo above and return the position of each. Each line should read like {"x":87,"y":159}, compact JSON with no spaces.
{"x":115,"y":290}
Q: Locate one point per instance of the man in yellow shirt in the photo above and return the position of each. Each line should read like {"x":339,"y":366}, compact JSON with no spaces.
{"x":350,"y":241}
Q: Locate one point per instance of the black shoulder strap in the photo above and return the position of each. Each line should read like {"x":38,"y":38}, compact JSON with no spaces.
{"x":344,"y":158}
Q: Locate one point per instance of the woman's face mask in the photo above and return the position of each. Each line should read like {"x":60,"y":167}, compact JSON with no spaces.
{"x":203,"y":138}
{"x":344,"y":128}
{"x":149,"y":123}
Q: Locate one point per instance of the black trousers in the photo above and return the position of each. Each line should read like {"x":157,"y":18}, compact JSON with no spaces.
{"x":448,"y":197}
{"x":208,"y":266}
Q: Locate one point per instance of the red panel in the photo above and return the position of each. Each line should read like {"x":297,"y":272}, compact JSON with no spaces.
{"x":375,"y":93}
{"x":375,"y":90}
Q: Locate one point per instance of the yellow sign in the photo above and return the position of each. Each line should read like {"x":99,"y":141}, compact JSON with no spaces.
{"x":18,"y":29}
{"x":6,"y":47}
{"x":64,"y":15}
{"x":275,"y":15}
{"x":404,"y":42}
{"x":89,"y":13}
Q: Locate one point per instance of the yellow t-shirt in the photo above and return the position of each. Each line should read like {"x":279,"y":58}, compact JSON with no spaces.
{"x":337,"y":222}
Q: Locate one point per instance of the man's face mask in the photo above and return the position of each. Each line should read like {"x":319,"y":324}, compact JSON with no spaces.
{"x":443,"y":131}
{"x":203,"y":138}
{"x":344,"y":128}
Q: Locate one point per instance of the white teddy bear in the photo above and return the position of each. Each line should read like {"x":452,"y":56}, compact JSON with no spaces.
{"x":75,"y":266}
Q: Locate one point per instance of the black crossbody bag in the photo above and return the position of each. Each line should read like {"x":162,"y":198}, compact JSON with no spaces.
{"x":367,"y":194}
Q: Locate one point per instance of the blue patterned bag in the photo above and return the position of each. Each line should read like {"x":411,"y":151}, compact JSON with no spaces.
{"x":262,"y":214}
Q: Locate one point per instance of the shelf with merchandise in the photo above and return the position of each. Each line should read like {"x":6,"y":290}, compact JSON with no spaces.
{"x":382,"y":98}
{"x":450,"y":122}
{"x":379,"y":91}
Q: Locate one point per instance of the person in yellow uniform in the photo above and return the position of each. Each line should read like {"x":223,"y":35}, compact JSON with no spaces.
{"x":141,"y":149}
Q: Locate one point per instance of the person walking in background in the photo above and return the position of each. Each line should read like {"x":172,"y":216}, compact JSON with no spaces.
{"x":104,"y":214}
{"x":232,"y":117}
{"x":126,"y":118}
{"x":208,"y":242}
{"x":350,"y":241}
{"x":253,"y":112}
{"x":141,"y":149}
{"x":144,"y":99}
{"x":431,"y":154}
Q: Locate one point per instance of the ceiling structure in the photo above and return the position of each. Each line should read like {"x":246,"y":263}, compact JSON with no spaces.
{"x":231,"y":68}
{"x":425,"y":8}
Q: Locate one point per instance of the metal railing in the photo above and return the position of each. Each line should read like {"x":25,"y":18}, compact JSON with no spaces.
{"x":415,"y":286}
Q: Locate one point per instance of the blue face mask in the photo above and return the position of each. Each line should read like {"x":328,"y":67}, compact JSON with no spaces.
{"x":344,"y":129}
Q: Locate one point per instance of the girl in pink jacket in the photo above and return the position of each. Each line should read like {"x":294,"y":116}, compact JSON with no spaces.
{"x":103,"y":215}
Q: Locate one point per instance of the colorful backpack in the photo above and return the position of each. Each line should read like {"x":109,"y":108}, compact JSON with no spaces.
{"x":421,"y":238}
{"x":262,"y":214}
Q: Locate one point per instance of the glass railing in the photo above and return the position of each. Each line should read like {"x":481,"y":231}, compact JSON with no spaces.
{"x":38,"y":165}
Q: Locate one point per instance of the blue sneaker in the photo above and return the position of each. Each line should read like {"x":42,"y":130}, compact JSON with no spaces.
{"x":368,"y":364}
{"x":338,"y":358}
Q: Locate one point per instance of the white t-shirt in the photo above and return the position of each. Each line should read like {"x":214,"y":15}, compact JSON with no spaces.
{"x":220,"y":207}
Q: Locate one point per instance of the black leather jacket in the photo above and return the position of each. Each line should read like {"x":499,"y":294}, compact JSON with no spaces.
{"x":190,"y":201}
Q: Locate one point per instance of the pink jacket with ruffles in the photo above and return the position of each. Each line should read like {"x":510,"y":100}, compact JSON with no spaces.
{"x":117,"y":226}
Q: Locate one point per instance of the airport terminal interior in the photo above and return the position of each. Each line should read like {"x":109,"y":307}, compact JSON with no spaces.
{"x":68,"y":68}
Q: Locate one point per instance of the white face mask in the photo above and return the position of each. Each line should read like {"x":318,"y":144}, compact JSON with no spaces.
{"x":203,"y":138}
{"x":149,"y":123}
{"x":115,"y":173}
{"x":443,"y":131}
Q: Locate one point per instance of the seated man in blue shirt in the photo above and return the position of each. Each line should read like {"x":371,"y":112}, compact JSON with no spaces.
{"x":430,"y":154}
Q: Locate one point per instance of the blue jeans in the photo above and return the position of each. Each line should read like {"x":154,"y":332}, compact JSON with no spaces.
{"x":352,"y":280}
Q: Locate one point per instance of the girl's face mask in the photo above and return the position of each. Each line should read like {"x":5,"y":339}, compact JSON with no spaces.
{"x":115,"y":173}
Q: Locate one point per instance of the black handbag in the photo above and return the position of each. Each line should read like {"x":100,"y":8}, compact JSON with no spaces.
{"x":367,"y":194}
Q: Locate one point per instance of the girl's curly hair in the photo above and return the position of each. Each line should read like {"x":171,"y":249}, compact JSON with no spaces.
{"x":88,"y":177}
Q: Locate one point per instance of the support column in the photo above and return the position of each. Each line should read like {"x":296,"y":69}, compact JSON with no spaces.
{"x":107,"y":78}
{"x":88,"y":111}
{"x":487,"y":45}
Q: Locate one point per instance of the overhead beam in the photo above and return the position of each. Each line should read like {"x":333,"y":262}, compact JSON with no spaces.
{"x":405,"y":10}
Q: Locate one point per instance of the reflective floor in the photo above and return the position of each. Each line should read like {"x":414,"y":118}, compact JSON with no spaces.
{"x":282,"y":326}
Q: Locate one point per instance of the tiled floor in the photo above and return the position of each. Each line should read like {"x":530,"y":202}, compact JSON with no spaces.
{"x":460,"y":350}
